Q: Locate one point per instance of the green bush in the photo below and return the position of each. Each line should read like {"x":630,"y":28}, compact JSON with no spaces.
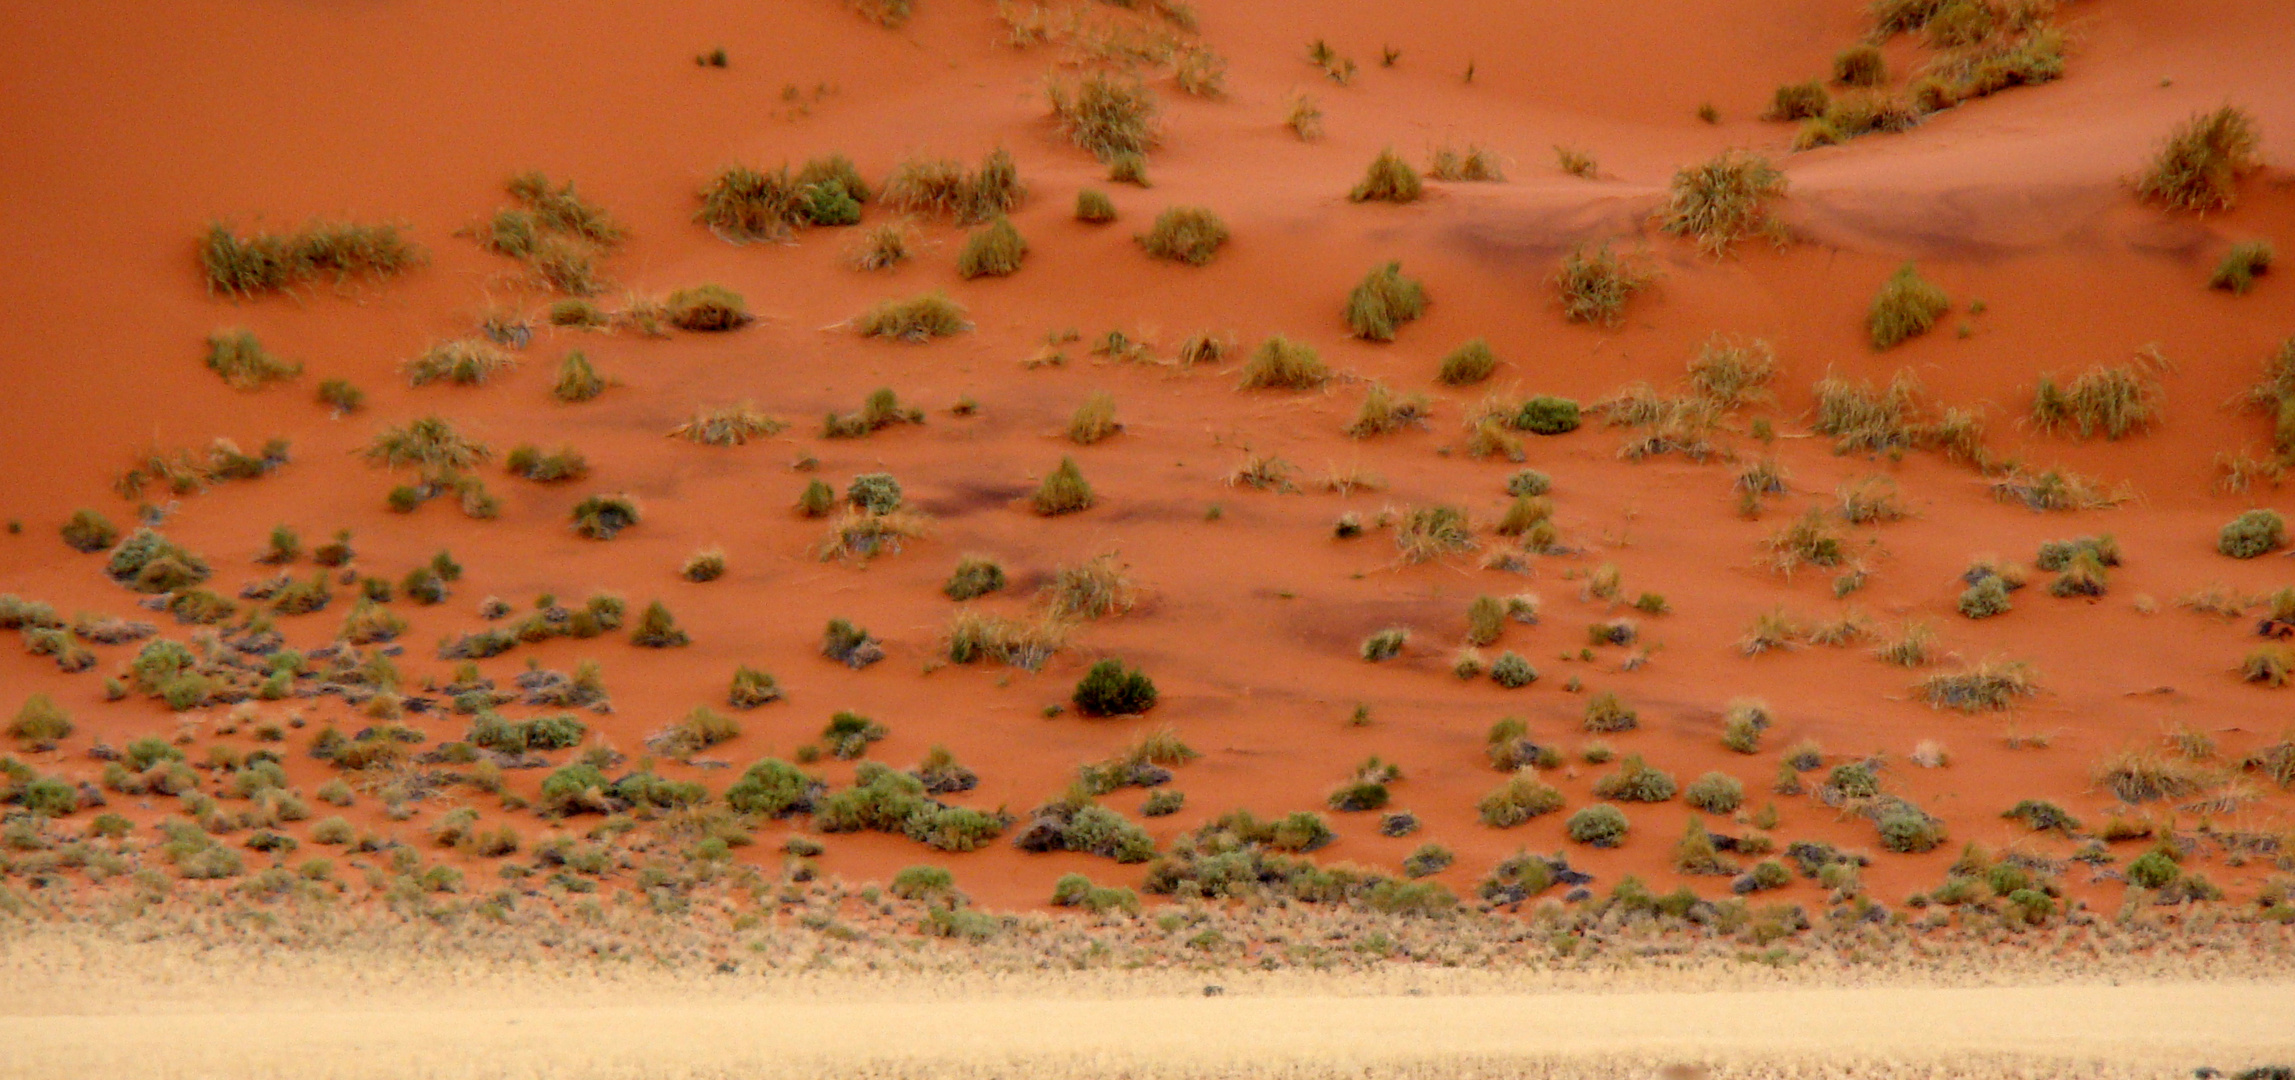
{"x":1546,"y":415}
{"x":1799,"y":101}
{"x":1383,"y":302}
{"x":1282,"y":364}
{"x":40,"y":722}
{"x":1715,"y":793}
{"x":2154,"y":869}
{"x":1985,"y":599}
{"x":1063,"y":491}
{"x":1910,"y":832}
{"x":1511,"y":671}
{"x":1635,"y":781}
{"x":1860,"y":65}
{"x":1188,"y":234}
{"x":1468,"y":364}
{"x":1389,"y":179}
{"x":602,"y":517}
{"x":1600,"y":825}
{"x":1094,"y":206}
{"x":1110,"y":689}
{"x":2253,"y":533}
{"x":1907,"y":305}
{"x":267,"y":262}
{"x":973,"y":578}
{"x":916,"y":320}
{"x":993,"y":250}
{"x":1523,"y":796}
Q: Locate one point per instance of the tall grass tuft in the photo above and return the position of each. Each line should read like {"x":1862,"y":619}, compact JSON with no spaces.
{"x":244,"y":266}
{"x":2199,"y":167}
{"x":993,"y":250}
{"x":1282,"y":364}
{"x":244,"y":363}
{"x":1388,"y":179}
{"x":1188,"y":234}
{"x":1906,"y":307}
{"x":1595,"y":285}
{"x":1063,"y":491}
{"x":1383,"y":302}
{"x":1107,"y":115}
{"x":1717,"y":203}
{"x":2246,"y":261}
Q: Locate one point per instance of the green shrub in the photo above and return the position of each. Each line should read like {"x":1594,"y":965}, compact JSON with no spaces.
{"x":602,"y":517}
{"x":924,"y":883}
{"x":773,"y":788}
{"x":1468,"y":364}
{"x":752,"y":688}
{"x":1389,"y":179}
{"x":1546,"y":415}
{"x":1385,"y":644}
{"x":1429,"y":859}
{"x":915,"y":320}
{"x":1721,"y":200}
{"x":706,"y":308}
{"x":1282,"y":364}
{"x":973,"y":578}
{"x":1107,"y":115}
{"x":1910,"y":832}
{"x":40,"y":722}
{"x":1606,"y":714}
{"x":875,"y":493}
{"x":850,"y":645}
{"x":743,"y":204}
{"x":657,"y":629}
{"x":244,"y":363}
{"x":1110,"y":689}
{"x":1523,"y":796}
{"x":2251,"y":534}
{"x":1985,"y":599}
{"x":151,"y":563}
{"x":1635,"y":781}
{"x":1188,"y":234}
{"x":88,"y":531}
{"x":2199,"y":166}
{"x":1383,"y":302}
{"x":2241,"y":265}
{"x":1715,"y":793}
{"x":1595,"y":285}
{"x":1063,"y":491}
{"x":1908,"y":304}
{"x":2154,"y":869}
{"x":578,"y":379}
{"x":1094,"y":206}
{"x":1511,"y":671}
{"x":993,"y":250}
{"x":1600,"y":825}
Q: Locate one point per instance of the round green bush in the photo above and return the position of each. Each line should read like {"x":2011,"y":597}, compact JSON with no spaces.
{"x":1715,"y":793}
{"x":1529,"y":482}
{"x":2153,"y":870}
{"x":1547,"y":415}
{"x":1911,"y":832}
{"x":1512,"y":671}
{"x":2256,"y":532}
{"x":1600,"y":825}
{"x":877,"y":493}
{"x":1110,"y":689}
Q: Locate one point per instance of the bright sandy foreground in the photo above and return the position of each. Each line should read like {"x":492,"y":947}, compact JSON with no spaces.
{"x":2153,"y":1029}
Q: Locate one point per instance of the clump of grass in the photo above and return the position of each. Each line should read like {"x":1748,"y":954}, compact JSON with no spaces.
{"x":1906,"y":307}
{"x":993,"y":250}
{"x":1188,"y":234}
{"x":1383,"y":302}
{"x":1063,"y":491}
{"x":2252,"y":534}
{"x":462,"y":361}
{"x":1383,"y":412}
{"x":850,"y":645}
{"x":975,"y":576}
{"x":1810,"y":539}
{"x":1389,"y":179}
{"x":703,"y":566}
{"x":1600,"y":825}
{"x":2140,"y":776}
{"x":2053,"y":489}
{"x":1431,"y":532}
{"x":1912,"y":647}
{"x":40,"y":723}
{"x":727,"y":425}
{"x":1200,"y":71}
{"x":88,"y":531}
{"x":744,"y":204}
{"x":943,"y":188}
{"x":1468,"y":364}
{"x":916,"y":320}
{"x":706,"y":308}
{"x":2241,"y":265}
{"x":1111,"y":689}
{"x":1798,"y":101}
{"x":657,"y":629}
{"x":529,"y":461}
{"x":1128,"y":169}
{"x":1605,"y":713}
{"x":2272,"y":665}
{"x":578,"y":379}
{"x":1094,"y":420}
{"x":1105,"y":114}
{"x":244,"y":266}
{"x":1093,"y":589}
{"x":1576,"y":162}
{"x":2113,"y":399}
{"x":602,"y":517}
{"x":1987,"y":685}
{"x":880,"y":410}
{"x":1717,"y":203}
{"x":2199,"y":167}
{"x":1264,"y":472}
{"x":1860,"y":65}
{"x":1595,"y":284}
{"x":1094,"y":206}
{"x":244,"y":363}
{"x":1304,"y":117}
{"x":1523,"y":796}
{"x":974,"y":636}
{"x":1742,"y":722}
{"x":1635,"y":781}
{"x":1282,"y":364}
{"x":1473,"y":165}
{"x":1385,"y":644}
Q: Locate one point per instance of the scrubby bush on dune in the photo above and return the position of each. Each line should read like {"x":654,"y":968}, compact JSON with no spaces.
{"x":1860,"y":65}
{"x":974,"y":577}
{"x":1063,"y":491}
{"x":752,"y":688}
{"x":244,"y":363}
{"x":1906,"y":307}
{"x":943,"y":188}
{"x":993,"y":250}
{"x":88,"y":531}
{"x":2113,"y":399}
{"x":1383,"y":302}
{"x":1094,"y":206}
{"x":462,"y":361}
{"x":1111,"y":689}
{"x":40,"y":722}
{"x":917,"y":320}
{"x":1523,"y":796}
{"x":1635,"y":781}
{"x":1595,"y":284}
{"x":657,"y":629}
{"x":880,"y":410}
{"x":1304,"y":117}
{"x":578,"y":379}
{"x":1473,"y":165}
{"x":1799,"y":101}
{"x":1988,"y":685}
{"x":2251,"y":534}
{"x":1188,"y":234}
{"x":1282,"y":364}
{"x":1094,"y":420}
{"x":1717,"y":203}
{"x":1385,"y":644}
{"x":727,"y":425}
{"x":1606,"y":714}
{"x":1600,"y":825}
{"x":1105,"y":114}
{"x":602,"y":517}
{"x":1388,"y":179}
{"x":2241,"y":265}
{"x":1468,"y":364}
{"x":2199,"y":167}
{"x":706,"y":308}
{"x":850,"y":645}
{"x":243,"y":266}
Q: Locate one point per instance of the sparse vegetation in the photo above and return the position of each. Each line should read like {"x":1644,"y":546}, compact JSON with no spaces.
{"x":2199,"y":167}
{"x":2253,"y":533}
{"x":1987,"y":685}
{"x":1282,"y":364}
{"x":1094,"y":206}
{"x":244,"y":363}
{"x":1468,"y":364}
{"x":993,"y":250}
{"x":1600,"y":825}
{"x":1188,"y":234}
{"x":602,"y":517}
{"x":915,"y":320}
{"x":1111,"y":689}
{"x":1383,"y":302}
{"x":1474,"y":164}
{"x":706,"y":308}
{"x":1717,"y":203}
{"x":1107,"y":115}
{"x":2242,"y":264}
{"x":1907,"y":305}
{"x":1063,"y":491}
{"x":1595,"y":285}
{"x":1389,"y":179}
{"x":2111,"y":399}
{"x":244,"y":266}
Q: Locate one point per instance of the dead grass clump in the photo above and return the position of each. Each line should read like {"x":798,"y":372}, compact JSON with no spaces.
{"x":243,"y":266}
{"x":429,"y":443}
{"x":975,"y":636}
{"x":1431,"y":532}
{"x":1282,"y":364}
{"x":2199,"y":167}
{"x":915,"y":320}
{"x":1063,"y":491}
{"x":706,"y":308}
{"x":1717,"y":203}
{"x":859,"y":532}
{"x":1731,"y":373}
{"x":1094,"y":420}
{"x":529,"y":461}
{"x":2271,"y":665}
{"x":1868,"y":419}
{"x":1383,"y":302}
{"x":602,"y":517}
{"x":1383,"y":412}
{"x":1188,"y":234}
{"x":1860,"y":65}
{"x":744,"y":204}
{"x":463,"y":362}
{"x":1811,"y":539}
{"x":1595,"y":285}
{"x":1798,"y":101}
{"x":882,"y":247}
{"x":1107,"y":115}
{"x":993,"y":250}
{"x":2139,"y":776}
{"x":1914,"y":646}
{"x":1987,"y":685}
{"x":1389,"y":179}
{"x":943,"y":188}
{"x":1771,"y":631}
{"x":1094,"y":589}
{"x":2241,"y":265}
{"x":1472,"y":165}
{"x":2054,"y":489}
{"x":1871,"y":499}
{"x":727,"y":425}
{"x":1908,"y":304}
{"x":1200,"y":71}
{"x":1303,"y":116}
{"x":2111,"y":399}
{"x":244,"y":363}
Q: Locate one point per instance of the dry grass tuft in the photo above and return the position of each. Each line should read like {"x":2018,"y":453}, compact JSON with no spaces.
{"x":1107,"y":115}
{"x":2199,"y":167}
{"x":1721,"y":201}
{"x":1388,"y":179}
{"x":727,"y":425}
{"x":1595,"y":285}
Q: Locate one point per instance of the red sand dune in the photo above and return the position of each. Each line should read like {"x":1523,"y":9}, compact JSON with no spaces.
{"x":132,"y":125}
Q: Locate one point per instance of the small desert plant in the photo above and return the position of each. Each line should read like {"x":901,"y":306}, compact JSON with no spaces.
{"x":704,"y":566}
{"x":88,"y":531}
{"x":1988,"y":685}
{"x":1595,"y":285}
{"x":2251,"y":534}
{"x":2139,"y":776}
{"x":1715,"y":793}
{"x":2113,"y":399}
{"x":1188,"y":234}
{"x":706,"y":308}
{"x":1600,"y":825}
{"x":1094,"y":206}
{"x":1742,"y":723}
{"x":1105,"y":114}
{"x":463,"y":362}
{"x":1605,"y":714}
{"x":1385,"y":644}
{"x":1383,"y":412}
{"x":1063,"y":491}
{"x":1282,"y":364}
{"x":1511,"y":671}
{"x":1907,"y":305}
{"x":1860,"y":65}
{"x":1799,"y":101}
{"x":1304,"y":117}
{"x":1986,"y":598}
{"x":1094,"y":420}
{"x":578,"y":379}
{"x":752,"y":688}
{"x":993,"y":250}
{"x":1389,"y":179}
{"x":2246,"y":261}
{"x":1576,"y":162}
{"x":1635,"y":781}
{"x":727,"y":425}
{"x":850,"y":645}
{"x":1721,"y":200}
{"x":918,"y":320}
{"x":40,"y":722}
{"x":529,"y":461}
{"x":2201,"y":162}
{"x":247,"y":266}
{"x":1474,"y":164}
{"x":658,"y":629}
{"x":244,"y":363}
{"x":1431,"y":532}
{"x":881,"y":247}
{"x":973,"y":578}
{"x":1547,"y":415}
{"x":743,"y":204}
{"x":880,"y":410}
{"x":1913,"y":647}
{"x":1470,"y":363}
{"x":1810,"y":539}
{"x":1383,"y":302}
{"x":1523,"y":796}
{"x":1111,"y":689}
{"x":601,"y":517}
